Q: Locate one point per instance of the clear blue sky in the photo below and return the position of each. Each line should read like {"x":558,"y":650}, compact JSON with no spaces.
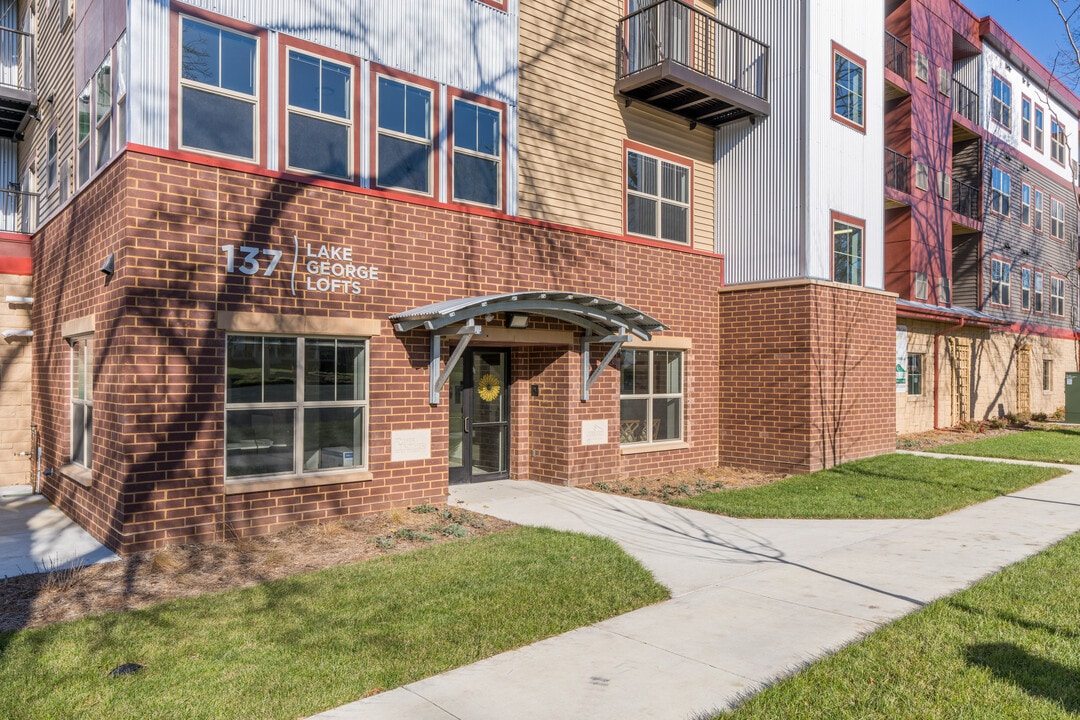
{"x":1034,"y":23}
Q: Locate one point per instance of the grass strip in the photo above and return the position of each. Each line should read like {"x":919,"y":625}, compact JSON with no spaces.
{"x":300,"y":645}
{"x":1060,"y":445}
{"x":889,"y":486}
{"x":1005,"y":648}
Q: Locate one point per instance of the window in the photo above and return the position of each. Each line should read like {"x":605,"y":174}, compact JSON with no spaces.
{"x":1025,"y":288}
{"x":82,"y":399}
{"x":922,"y":66}
{"x":477,"y":147}
{"x":922,"y":286}
{"x":999,"y":282}
{"x":294,"y":405}
{"x":82,"y":133}
{"x":651,"y":396}
{"x":1048,"y":375}
{"x":1038,"y":306}
{"x":847,"y":250}
{"x":944,"y":185}
{"x":1025,"y":120}
{"x":922,"y":176}
{"x":404,"y":149}
{"x":1057,"y":219}
{"x":914,"y":374}
{"x":121,"y":90}
{"x":1057,"y":296}
{"x":1037,"y":211}
{"x":218,"y":71}
{"x":1057,"y":141}
{"x":319,"y":116}
{"x":944,"y":81}
{"x":50,"y":160}
{"x":1000,"y":191}
{"x":657,"y":198}
{"x":103,"y":112}
{"x":944,"y":293}
{"x":1001,"y":102}
{"x":1038,"y":133}
{"x":1025,"y":204}
{"x":848,"y":88}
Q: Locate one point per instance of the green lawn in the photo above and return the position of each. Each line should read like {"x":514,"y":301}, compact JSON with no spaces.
{"x":307,"y":643}
{"x":889,"y":486}
{"x":1008,"y":647}
{"x":1060,"y":445}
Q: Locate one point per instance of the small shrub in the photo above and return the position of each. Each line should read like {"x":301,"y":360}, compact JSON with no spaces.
{"x":997,"y":423}
{"x":1020,"y":419}
{"x":1039,"y":417}
{"x":1059,"y":414}
{"x":384,"y":543}
{"x":454,"y":530}
{"x":602,"y":486}
{"x":423,"y":509}
{"x":684,"y":489}
{"x":642,"y":491}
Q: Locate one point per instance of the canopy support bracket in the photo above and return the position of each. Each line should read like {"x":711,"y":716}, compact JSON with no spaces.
{"x":437,"y":379}
{"x":587,"y":378}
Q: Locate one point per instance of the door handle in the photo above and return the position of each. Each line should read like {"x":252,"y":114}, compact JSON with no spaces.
{"x":468,"y":425}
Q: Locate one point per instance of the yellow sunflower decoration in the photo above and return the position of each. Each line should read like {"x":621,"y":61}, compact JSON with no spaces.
{"x":488,"y":387}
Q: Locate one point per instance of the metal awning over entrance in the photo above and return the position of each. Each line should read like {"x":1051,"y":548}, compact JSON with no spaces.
{"x":605,"y":321}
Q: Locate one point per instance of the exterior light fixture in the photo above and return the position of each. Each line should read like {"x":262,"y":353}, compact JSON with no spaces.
{"x":517,"y":321}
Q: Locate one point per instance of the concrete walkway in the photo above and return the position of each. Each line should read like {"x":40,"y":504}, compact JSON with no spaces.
{"x":36,"y":536}
{"x":752,"y":601}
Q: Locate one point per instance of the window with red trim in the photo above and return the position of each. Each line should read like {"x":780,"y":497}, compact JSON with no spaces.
{"x":405,"y":148}
{"x":1057,"y":219}
{"x":1000,"y":191}
{"x":658,"y":192}
{"x":1038,"y":131}
{"x":1000,"y":282}
{"x":848,"y":242}
{"x":1057,"y":296}
{"x":1001,"y":102}
{"x":477,"y":168}
{"x":1038,"y":294}
{"x":849,"y":88}
{"x":319,"y":115}
{"x":1025,"y":119}
{"x":1057,"y":141}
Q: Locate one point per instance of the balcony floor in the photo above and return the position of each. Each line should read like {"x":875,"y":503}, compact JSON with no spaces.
{"x":676,"y":88}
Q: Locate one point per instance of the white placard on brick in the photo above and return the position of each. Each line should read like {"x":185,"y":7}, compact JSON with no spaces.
{"x":410,"y":445}
{"x":593,"y":432}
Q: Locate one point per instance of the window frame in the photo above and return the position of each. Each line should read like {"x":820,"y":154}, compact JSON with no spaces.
{"x":1038,"y":134}
{"x":662,"y":158}
{"x":1057,"y":141}
{"x":1048,"y":375}
{"x":259,"y":92}
{"x":52,"y":163}
{"x":1025,"y":204}
{"x":86,"y":458}
{"x":849,"y":221}
{"x":298,"y":405}
{"x":840,"y":52}
{"x":121,"y":80}
{"x":915,"y":374}
{"x":1025,"y":288}
{"x":922,"y":286}
{"x":1001,"y":107}
{"x":1000,"y":282}
{"x":84,"y":136}
{"x":1057,"y":219}
{"x":1025,"y":119}
{"x":454,"y":96}
{"x":651,"y":396}
{"x":1038,"y":205}
{"x":1000,"y":198}
{"x":1038,"y":292}
{"x":288,"y":45}
{"x":1057,"y":299}
{"x":434,"y":157}
{"x":103,"y":126}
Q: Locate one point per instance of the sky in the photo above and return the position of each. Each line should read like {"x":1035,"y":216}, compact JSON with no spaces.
{"x":1034,"y":23}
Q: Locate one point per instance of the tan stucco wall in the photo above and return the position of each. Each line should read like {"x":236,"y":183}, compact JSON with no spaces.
{"x":14,"y":384}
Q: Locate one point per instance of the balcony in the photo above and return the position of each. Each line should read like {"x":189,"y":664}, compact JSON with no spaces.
{"x":896,"y":55}
{"x":965,"y":199}
{"x":965,"y":101}
{"x":679,"y":59}
{"x":897,"y":171}
{"x":18,"y":97}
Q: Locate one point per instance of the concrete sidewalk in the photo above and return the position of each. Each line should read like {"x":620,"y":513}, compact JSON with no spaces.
{"x":752,"y":601}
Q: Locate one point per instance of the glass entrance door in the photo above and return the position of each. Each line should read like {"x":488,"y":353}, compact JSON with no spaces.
{"x":480,"y":416}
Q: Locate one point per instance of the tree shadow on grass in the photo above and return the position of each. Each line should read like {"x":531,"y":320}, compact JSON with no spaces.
{"x":1038,"y":677}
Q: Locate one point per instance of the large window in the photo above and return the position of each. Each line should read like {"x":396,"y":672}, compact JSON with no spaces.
{"x":477,"y":149}
{"x":103,"y":99}
{"x":1057,"y":141}
{"x":847,"y":250}
{"x":914,"y":374}
{"x":849,"y":74}
{"x":50,"y":160}
{"x":218,"y":96}
{"x":1057,"y":296}
{"x":294,"y":405}
{"x":1038,"y":131}
{"x":82,"y":133}
{"x":1048,"y":375}
{"x":657,"y":198}
{"x":1025,"y":120}
{"x":1038,"y":305}
{"x":404,"y":149}
{"x":999,"y":282}
{"x":651,"y":398}
{"x":121,"y":90}
{"x":1001,"y":102}
{"x":319,"y":115}
{"x":1000,"y":191}
{"x":1057,"y":219}
{"x":1025,"y":204}
{"x":1025,"y":288}
{"x":1037,"y":210}
{"x":82,"y":399}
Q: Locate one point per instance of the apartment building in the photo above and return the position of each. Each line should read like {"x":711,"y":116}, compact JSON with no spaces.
{"x":981,"y":233}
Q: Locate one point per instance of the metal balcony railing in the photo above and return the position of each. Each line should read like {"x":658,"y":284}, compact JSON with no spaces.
{"x":965,"y":199}
{"x":897,"y":171}
{"x":896,"y":55}
{"x":965,"y":101}
{"x":18,"y":95}
{"x":674,"y":56}
{"x":18,"y":211}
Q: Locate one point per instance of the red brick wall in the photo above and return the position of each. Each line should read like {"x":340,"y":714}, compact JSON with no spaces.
{"x":806,"y":376}
{"x":159,"y":357}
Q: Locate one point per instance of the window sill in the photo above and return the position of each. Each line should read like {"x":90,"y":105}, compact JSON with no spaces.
{"x":240,"y":487}
{"x":77,"y":474}
{"x":652,"y":447}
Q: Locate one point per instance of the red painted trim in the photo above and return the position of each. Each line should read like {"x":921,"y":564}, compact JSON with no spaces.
{"x":287,"y":43}
{"x":989,"y":26}
{"x":944,"y":315}
{"x":376,"y":71}
{"x":637,"y":147}
{"x":497,"y":4}
{"x":410,"y":198}
{"x":15,"y":254}
{"x":835,"y":217}
{"x":455,"y":94}
{"x":838,"y":49}
{"x":1022,"y":328}
{"x":16,"y":266}
{"x":177,"y":9}
{"x":990,"y":295}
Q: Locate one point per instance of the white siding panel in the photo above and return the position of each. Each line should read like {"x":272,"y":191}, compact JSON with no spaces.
{"x":148,"y":94}
{"x":760,"y":179}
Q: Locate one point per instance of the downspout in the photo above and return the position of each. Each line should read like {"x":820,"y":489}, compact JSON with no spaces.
{"x":937,"y":368}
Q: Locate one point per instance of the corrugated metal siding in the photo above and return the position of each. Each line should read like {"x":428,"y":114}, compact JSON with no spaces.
{"x":148,"y":111}
{"x":760,"y":167}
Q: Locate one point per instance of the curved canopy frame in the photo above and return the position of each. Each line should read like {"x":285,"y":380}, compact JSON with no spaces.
{"x":604,"y":320}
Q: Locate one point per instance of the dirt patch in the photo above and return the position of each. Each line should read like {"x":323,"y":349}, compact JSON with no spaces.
{"x":686,"y":483}
{"x":189,"y":570}
{"x":927,"y":441}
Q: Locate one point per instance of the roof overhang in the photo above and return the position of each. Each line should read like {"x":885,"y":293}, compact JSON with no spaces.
{"x":935,"y":313}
